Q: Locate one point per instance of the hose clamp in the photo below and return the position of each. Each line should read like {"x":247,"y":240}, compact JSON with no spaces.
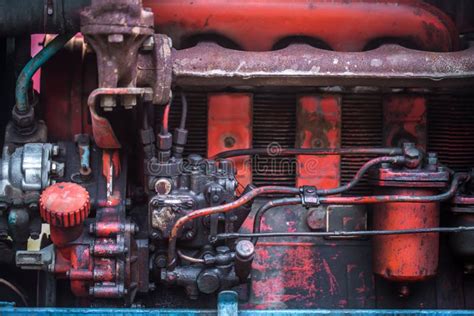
{"x":309,"y":196}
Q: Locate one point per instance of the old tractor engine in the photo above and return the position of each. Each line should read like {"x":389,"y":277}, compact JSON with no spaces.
{"x":300,"y":156}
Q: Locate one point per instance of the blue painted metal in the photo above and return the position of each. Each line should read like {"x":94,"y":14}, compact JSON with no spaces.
{"x":23,"y":82}
{"x":227,"y":306}
{"x":227,"y":303}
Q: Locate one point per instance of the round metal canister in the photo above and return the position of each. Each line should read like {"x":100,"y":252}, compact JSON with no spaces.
{"x":413,"y":257}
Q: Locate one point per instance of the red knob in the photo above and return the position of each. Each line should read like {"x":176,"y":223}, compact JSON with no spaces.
{"x":64,"y":204}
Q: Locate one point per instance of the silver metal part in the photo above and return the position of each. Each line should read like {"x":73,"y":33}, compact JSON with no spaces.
{"x":36,"y":260}
{"x":28,"y":168}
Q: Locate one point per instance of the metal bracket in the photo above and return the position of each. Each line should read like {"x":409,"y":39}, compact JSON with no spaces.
{"x":309,"y":196}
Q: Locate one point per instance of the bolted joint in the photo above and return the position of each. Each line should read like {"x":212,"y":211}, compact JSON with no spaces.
{"x":412,"y":154}
{"x":309,"y":196}
{"x":24,"y":122}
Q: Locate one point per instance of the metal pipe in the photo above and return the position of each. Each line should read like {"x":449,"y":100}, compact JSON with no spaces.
{"x":266,"y":207}
{"x":244,"y":199}
{"x":351,"y":200}
{"x":309,"y":151}
{"x":458,"y":229}
{"x":293,"y":201}
{"x":360,"y":173}
{"x":184,"y":110}
{"x":188,"y":258}
{"x":24,"y":79}
{"x":394,"y":66}
{"x":166,"y":114}
{"x":40,"y":17}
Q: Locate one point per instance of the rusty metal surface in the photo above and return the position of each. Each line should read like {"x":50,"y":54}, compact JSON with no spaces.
{"x":318,"y":126}
{"x":244,"y":199}
{"x":230,"y":127}
{"x":208,"y":64}
{"x":406,"y":258}
{"x":246,"y":24}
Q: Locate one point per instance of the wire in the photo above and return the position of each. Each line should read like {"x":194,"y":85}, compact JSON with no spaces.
{"x":184,"y":111}
{"x":14,"y":289}
{"x":360,"y":173}
{"x":188,"y":258}
{"x":307,"y":151}
{"x":458,"y":229}
{"x":23,"y":81}
{"x":166,"y":114}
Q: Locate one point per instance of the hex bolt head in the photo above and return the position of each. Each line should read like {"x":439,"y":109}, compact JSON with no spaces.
{"x":107,"y":102}
{"x":129,"y":101}
{"x":245,"y":249}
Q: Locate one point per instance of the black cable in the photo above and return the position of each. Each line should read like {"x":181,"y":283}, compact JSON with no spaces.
{"x":184,"y":111}
{"x":308,"y":151}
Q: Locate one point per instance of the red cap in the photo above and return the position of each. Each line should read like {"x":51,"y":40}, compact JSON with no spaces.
{"x":64,"y":204}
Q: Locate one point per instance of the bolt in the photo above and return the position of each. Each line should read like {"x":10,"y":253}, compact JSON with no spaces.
{"x":229,"y":142}
{"x":160,"y":261}
{"x":115,"y":38}
{"x":245,"y":249}
{"x":316,"y":219}
{"x":107,"y":102}
{"x":129,"y":101}
{"x":148,"y":44}
{"x":403,"y":291}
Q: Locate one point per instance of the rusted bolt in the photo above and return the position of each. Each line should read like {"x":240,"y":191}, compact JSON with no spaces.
{"x":316,"y":219}
{"x":229,"y":142}
{"x":115,"y":38}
